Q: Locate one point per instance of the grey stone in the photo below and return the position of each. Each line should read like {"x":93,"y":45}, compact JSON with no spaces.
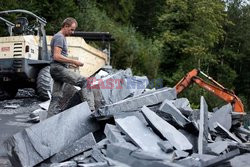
{"x":166,"y":146}
{"x":136,"y":103}
{"x":103,"y":142}
{"x":97,"y":155}
{"x":243,"y":130}
{"x":42,"y":115}
{"x":64,"y":164}
{"x":219,"y":128}
{"x":112,"y":88}
{"x":193,"y":139}
{"x":42,"y":140}
{"x":221,"y":158}
{"x":83,"y":158}
{"x":133,"y":157}
{"x":203,"y":157}
{"x":138,"y":114}
{"x":112,"y":162}
{"x":178,"y":154}
{"x":168,"y":107}
{"x":79,"y":158}
{"x":183,"y":105}
{"x":71,"y":97}
{"x":45,"y":105}
{"x":88,"y":153}
{"x":137,"y":85}
{"x":177,"y":139}
{"x":139,"y":134}
{"x":77,"y":147}
{"x":86,"y":161}
{"x":104,"y":151}
{"x":97,"y":164}
{"x":190,"y":162}
{"x":194,"y":118}
{"x":222,"y":116}
{"x":113,"y":134}
{"x":238,"y":115}
{"x":203,"y":127}
{"x":195,"y":160}
{"x":241,"y":160}
{"x":12,"y":106}
{"x":218,"y":147}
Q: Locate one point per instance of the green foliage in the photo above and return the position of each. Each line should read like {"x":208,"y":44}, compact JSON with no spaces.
{"x":164,"y":38}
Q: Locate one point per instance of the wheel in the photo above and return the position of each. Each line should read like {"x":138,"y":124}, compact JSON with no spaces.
{"x":44,"y":83}
{"x":7,"y":92}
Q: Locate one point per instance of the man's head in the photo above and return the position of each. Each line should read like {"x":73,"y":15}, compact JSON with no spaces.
{"x":68,"y":26}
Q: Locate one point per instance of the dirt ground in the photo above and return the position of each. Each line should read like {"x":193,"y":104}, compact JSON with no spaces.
{"x":15,"y":120}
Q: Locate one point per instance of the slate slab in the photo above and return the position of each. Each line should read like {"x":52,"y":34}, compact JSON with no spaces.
{"x":131,"y":156}
{"x":242,"y":161}
{"x":139,"y":134}
{"x":183,"y":105}
{"x":112,"y":88}
{"x":168,"y":107}
{"x":221,"y":158}
{"x":218,"y":147}
{"x":64,"y":164}
{"x":77,"y":147}
{"x":222,"y":116}
{"x":203,"y":126}
{"x":218,"y":127}
{"x":177,"y":139}
{"x":166,"y":146}
{"x":178,"y":154}
{"x":113,"y":134}
{"x":42,"y":140}
{"x":136,"y":103}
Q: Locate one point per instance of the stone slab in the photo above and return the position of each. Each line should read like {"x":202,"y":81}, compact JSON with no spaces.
{"x":217,"y":160}
{"x":112,"y":88}
{"x":177,"y":139}
{"x":192,"y":138}
{"x":42,"y":140}
{"x":218,"y":147}
{"x":97,"y":164}
{"x":178,"y":154}
{"x":77,"y":147}
{"x":183,"y":105}
{"x":113,"y":134}
{"x":241,"y":160}
{"x":97,"y":155}
{"x":139,"y":134}
{"x":222,"y":116}
{"x":203,"y":126}
{"x":218,"y":127}
{"x":166,"y":146}
{"x":137,"y":102}
{"x":168,"y":107}
{"x":64,"y":164}
{"x":133,"y":157}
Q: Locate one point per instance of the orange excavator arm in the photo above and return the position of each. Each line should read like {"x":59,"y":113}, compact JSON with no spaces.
{"x":216,"y":88}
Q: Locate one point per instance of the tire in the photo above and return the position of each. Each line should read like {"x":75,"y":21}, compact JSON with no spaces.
{"x":44,"y":83}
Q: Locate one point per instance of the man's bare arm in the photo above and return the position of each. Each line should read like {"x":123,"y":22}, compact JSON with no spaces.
{"x":60,"y":58}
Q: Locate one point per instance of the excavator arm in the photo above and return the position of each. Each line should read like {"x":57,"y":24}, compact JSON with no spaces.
{"x":213,"y":87}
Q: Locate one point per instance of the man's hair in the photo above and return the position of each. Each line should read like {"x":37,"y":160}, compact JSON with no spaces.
{"x":69,"y":21}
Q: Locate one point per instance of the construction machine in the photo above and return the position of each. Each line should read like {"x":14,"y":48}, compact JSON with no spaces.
{"x":25,"y":54}
{"x":213,"y":87}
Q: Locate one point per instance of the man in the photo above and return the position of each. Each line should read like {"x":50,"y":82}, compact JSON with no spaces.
{"x":59,"y":68}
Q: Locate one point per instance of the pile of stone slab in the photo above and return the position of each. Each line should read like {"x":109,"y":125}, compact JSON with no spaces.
{"x":132,"y":126}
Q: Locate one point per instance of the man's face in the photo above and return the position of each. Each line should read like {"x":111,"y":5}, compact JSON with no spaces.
{"x":70,"y":29}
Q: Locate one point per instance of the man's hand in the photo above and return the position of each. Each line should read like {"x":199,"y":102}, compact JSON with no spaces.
{"x":78,"y":63}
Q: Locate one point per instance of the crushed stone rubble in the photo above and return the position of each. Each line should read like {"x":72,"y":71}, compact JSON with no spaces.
{"x":132,"y":126}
